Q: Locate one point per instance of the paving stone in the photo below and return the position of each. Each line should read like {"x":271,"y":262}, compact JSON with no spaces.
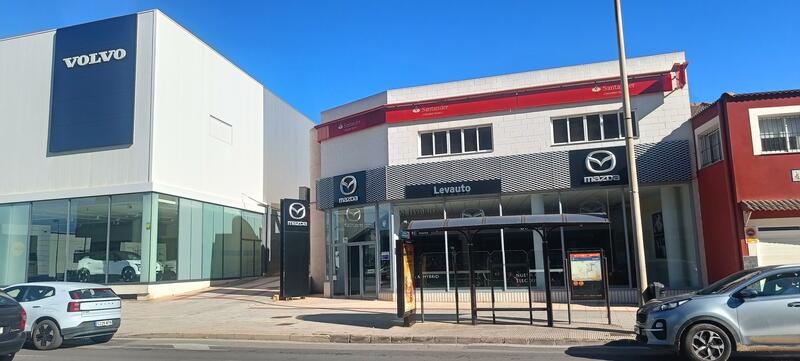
{"x":340,"y":338}
{"x":401,"y":339}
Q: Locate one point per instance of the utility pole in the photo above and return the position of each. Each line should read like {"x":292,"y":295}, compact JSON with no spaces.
{"x":633,"y":174}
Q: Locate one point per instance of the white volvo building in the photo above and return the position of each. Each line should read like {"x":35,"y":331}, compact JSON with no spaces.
{"x":138,"y":156}
{"x":537,"y":142}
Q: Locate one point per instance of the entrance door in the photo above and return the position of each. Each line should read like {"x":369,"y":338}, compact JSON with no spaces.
{"x":361,"y":278}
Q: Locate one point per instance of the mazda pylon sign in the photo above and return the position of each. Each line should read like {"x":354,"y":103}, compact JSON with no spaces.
{"x":295,"y":248}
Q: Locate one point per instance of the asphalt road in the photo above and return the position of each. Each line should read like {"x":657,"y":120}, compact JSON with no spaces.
{"x":202,"y":350}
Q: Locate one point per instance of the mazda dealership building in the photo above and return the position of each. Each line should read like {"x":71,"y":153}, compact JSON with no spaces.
{"x":136,"y":155}
{"x":539,"y":142}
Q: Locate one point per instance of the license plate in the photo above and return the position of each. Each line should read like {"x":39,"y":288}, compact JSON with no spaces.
{"x":104,"y":323}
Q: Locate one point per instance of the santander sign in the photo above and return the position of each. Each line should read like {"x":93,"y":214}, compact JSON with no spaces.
{"x":95,"y":58}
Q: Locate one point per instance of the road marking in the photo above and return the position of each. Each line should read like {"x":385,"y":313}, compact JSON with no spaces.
{"x":191,"y":347}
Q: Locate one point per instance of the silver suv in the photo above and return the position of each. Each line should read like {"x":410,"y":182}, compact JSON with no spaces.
{"x":755,"y":307}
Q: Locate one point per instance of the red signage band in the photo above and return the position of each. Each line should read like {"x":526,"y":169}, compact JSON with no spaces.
{"x":500,"y":102}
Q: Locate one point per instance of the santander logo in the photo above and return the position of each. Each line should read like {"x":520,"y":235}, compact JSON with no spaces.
{"x":95,"y":58}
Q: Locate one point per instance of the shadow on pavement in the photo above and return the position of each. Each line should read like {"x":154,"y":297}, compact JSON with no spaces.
{"x":370,"y":320}
{"x":619,"y":351}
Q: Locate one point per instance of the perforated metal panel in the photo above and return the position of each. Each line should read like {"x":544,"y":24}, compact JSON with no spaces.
{"x":663,"y":162}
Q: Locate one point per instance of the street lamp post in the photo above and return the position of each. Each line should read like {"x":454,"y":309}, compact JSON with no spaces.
{"x":633,"y":175}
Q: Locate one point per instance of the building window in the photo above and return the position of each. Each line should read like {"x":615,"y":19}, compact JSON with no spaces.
{"x":591,"y":127}
{"x":710,"y":148}
{"x":780,"y":134}
{"x":456,"y":141}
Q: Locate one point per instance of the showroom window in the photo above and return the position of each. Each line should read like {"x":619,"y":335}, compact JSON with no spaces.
{"x":591,"y":127}
{"x":456,"y":141}
{"x":780,"y":134}
{"x":710,"y":148}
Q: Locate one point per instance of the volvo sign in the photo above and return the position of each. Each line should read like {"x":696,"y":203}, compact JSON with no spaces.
{"x":93,"y":86}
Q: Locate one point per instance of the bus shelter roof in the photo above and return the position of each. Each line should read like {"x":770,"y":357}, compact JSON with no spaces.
{"x":498,"y":222}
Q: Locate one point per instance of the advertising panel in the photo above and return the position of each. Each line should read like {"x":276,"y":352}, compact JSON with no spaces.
{"x":586,"y":276}
{"x":406,"y":300}
{"x":92,"y":95}
{"x":295,"y":248}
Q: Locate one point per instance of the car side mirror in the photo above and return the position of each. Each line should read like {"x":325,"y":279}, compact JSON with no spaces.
{"x":747,"y":293}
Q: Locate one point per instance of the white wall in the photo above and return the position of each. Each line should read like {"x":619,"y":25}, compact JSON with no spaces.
{"x":365,"y":149}
{"x":286,"y":149}
{"x":660,"y":118}
{"x":193,"y":83}
{"x":26,"y":64}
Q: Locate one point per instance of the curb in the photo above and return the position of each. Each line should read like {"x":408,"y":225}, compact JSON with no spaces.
{"x":382,"y":339}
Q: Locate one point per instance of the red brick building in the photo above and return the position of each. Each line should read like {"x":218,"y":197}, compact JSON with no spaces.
{"x":748,"y":160}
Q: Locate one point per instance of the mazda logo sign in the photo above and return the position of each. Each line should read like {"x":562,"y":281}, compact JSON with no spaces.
{"x":348,"y":185}
{"x":353,"y":214}
{"x":601,"y":161}
{"x":297,"y":211}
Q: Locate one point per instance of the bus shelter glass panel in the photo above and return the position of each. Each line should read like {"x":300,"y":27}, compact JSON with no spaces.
{"x":87,"y":246}
{"x":430,"y":247}
{"x":47,"y":248}
{"x":487,"y":245}
{"x":523,"y":248}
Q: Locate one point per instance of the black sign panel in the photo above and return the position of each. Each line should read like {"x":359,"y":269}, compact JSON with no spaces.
{"x":350,"y":188}
{"x":295,"y":248}
{"x":598,"y":167}
{"x":453,"y":189}
{"x":94,"y":76}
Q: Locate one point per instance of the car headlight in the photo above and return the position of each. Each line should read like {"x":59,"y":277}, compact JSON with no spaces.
{"x":671,"y":305}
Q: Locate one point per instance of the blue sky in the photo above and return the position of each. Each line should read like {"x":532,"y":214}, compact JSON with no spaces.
{"x":320,"y":54}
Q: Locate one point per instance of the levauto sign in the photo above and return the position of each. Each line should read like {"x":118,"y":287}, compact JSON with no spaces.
{"x":597,"y":167}
{"x":350,"y":188}
{"x":453,"y":189}
{"x":93,"y":86}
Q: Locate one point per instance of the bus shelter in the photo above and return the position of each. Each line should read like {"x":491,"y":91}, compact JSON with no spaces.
{"x":469,"y":228}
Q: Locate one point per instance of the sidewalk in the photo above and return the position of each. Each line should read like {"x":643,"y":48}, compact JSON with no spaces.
{"x":247,"y":312}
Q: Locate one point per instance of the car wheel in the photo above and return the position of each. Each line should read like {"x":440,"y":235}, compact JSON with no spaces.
{"x":8,"y":357}
{"x":706,"y":342}
{"x":46,"y":335}
{"x":84,"y":275}
{"x":102,"y":339}
{"x":128,"y":274}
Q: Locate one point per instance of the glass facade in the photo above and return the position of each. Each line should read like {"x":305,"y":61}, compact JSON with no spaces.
{"x":128,"y":238}
{"x":506,"y":258}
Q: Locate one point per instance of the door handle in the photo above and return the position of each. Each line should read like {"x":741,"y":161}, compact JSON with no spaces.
{"x":41,"y":306}
{"x":794,"y":304}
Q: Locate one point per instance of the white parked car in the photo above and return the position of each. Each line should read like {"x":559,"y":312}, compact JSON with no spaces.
{"x":59,"y":311}
{"x":125,"y":265}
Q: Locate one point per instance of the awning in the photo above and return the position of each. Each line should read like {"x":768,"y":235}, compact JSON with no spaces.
{"x":497,"y":222}
{"x":772,"y":205}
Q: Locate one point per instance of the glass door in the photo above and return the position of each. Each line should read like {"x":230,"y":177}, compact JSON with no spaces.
{"x":362,"y":276}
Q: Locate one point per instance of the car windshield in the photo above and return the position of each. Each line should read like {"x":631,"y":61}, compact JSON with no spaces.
{"x":730,"y":282}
